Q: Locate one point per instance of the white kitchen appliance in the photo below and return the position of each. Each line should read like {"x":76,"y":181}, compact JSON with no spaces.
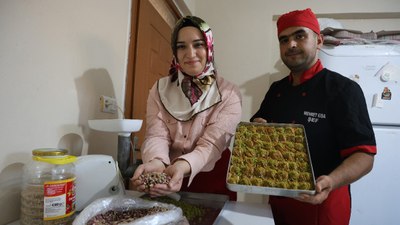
{"x":376,"y":68}
{"x":97,"y":176}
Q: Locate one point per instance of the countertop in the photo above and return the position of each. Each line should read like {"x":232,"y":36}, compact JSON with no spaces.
{"x":239,"y":213}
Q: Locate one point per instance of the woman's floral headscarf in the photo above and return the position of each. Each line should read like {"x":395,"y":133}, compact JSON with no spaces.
{"x":208,"y":37}
{"x":182,"y":95}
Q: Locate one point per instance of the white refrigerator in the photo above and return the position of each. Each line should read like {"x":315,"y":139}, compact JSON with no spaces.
{"x":376,"y":68}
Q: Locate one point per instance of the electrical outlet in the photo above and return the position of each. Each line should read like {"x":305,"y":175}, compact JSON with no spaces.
{"x":108,"y":104}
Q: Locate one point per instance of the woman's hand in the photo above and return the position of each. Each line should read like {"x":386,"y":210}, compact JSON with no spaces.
{"x":154,"y":165}
{"x":177,"y":171}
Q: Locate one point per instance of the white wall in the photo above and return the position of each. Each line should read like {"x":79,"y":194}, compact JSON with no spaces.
{"x":56,"y":58}
{"x":191,"y":5}
{"x":246,"y":47}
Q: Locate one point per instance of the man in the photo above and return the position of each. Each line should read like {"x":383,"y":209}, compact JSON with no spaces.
{"x":333,"y":111}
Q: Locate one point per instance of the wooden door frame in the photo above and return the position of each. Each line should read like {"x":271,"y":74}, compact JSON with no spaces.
{"x":130,"y":76}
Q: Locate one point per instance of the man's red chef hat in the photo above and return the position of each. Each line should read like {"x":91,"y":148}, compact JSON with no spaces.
{"x":298,"y":18}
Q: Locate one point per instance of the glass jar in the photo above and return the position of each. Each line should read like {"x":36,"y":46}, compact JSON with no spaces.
{"x":48,"y":188}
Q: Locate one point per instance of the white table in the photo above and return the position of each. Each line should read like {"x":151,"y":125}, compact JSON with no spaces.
{"x":239,"y":213}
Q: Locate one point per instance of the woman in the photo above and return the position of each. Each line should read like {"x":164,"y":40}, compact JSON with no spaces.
{"x":191,"y":117}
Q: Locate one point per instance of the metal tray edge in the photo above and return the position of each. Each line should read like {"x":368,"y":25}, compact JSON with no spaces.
{"x":271,"y":190}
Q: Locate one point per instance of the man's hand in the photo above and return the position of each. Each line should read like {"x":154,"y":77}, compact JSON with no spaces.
{"x":352,"y":168}
{"x":259,"y":120}
{"x":323,"y":186}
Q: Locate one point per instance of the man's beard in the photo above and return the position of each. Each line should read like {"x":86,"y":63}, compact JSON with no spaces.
{"x":295,"y":65}
{"x":298,"y":62}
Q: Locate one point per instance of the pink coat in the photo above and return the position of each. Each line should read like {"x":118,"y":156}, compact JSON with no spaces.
{"x":201,"y":140}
